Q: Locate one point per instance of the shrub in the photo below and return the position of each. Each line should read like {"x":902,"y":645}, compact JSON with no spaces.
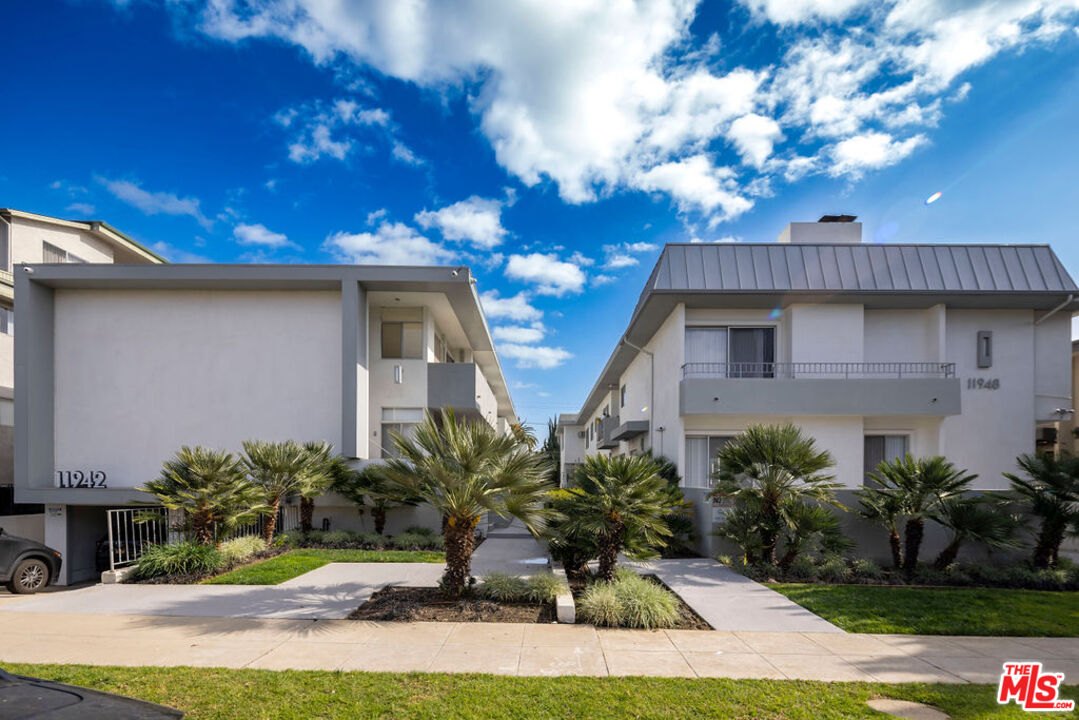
{"x":339,"y":537}
{"x":372,"y":540}
{"x":409,"y":541}
{"x":186,"y":558}
{"x":629,"y":601}
{"x":315,"y":537}
{"x":420,"y":530}
{"x":504,"y":587}
{"x":866,"y":569}
{"x":545,"y":587}
{"x":835,"y":570}
{"x":803,"y":568}
{"x":241,"y":548}
{"x":599,"y":605}
{"x":725,"y":560}
{"x":287,"y":540}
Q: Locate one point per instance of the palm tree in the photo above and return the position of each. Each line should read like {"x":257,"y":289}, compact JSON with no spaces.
{"x":977,"y":520}
{"x":771,"y":467}
{"x":524,"y":435}
{"x":884,"y":507}
{"x":279,"y":468}
{"x":464,"y":469}
{"x":317,"y":478}
{"x":921,"y":486}
{"x":814,"y":525}
{"x":211,"y":489}
{"x":1049,"y":490}
{"x":369,"y":486}
{"x":621,"y":501}
{"x":552,"y":449}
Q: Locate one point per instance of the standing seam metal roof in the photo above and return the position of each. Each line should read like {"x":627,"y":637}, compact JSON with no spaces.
{"x":860,"y":268}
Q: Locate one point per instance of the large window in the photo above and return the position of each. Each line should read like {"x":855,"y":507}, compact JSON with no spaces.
{"x":401,"y":421}
{"x":402,"y":333}
{"x":879,"y":448}
{"x":52,"y":254}
{"x":7,"y":321}
{"x":701,"y":451}
{"x":731,"y":351}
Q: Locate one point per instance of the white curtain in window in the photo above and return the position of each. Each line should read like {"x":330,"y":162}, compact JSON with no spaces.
{"x":698,"y":464}
{"x":706,"y":345}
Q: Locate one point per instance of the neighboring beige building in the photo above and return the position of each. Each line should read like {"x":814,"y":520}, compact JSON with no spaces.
{"x":30,"y":238}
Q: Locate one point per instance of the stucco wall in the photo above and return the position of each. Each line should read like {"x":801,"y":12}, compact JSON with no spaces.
{"x":7,"y":360}
{"x":139,"y":373}
{"x":900,"y":336}
{"x":28,"y":236}
{"x":826,"y":333}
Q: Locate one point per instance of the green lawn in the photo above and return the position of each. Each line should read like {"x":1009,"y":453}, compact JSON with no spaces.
{"x":940,"y":611}
{"x":297,"y":562}
{"x":250,"y":694}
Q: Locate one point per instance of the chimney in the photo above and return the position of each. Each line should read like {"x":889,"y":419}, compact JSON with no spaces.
{"x":829,"y":229}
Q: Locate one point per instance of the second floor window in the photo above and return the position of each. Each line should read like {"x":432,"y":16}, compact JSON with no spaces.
{"x":622,"y":398}
{"x":402,"y":333}
{"x":52,"y":254}
{"x":731,"y":351}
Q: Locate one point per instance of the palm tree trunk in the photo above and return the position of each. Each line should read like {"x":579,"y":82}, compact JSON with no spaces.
{"x":378,"y":513}
{"x":915,"y":530}
{"x":609,"y":545}
{"x":1048,"y":544}
{"x":769,"y":533}
{"x":897,"y":548}
{"x":307,"y":514}
{"x":202,"y":527}
{"x":460,"y":541}
{"x":947,"y":555}
{"x":789,"y":556}
{"x":270,"y":524}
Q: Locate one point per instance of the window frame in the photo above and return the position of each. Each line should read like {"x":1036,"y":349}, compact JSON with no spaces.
{"x":727,"y":328}
{"x":708,"y":437}
{"x":401,"y":326}
{"x":908,"y":441}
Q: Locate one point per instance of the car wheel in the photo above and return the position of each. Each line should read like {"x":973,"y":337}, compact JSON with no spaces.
{"x":30,"y":576}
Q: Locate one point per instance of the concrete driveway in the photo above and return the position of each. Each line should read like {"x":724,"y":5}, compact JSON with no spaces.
{"x":329,"y":592}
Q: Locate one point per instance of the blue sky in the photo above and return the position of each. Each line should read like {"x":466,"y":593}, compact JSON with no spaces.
{"x":553,"y":147}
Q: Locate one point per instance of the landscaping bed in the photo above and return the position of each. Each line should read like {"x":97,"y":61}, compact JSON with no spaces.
{"x":221,"y":694}
{"x":940,"y":611}
{"x":293,"y":563}
{"x":633,"y":601}
{"x":430,"y":605}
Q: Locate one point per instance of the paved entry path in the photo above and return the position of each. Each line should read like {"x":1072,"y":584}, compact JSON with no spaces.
{"x":510,"y":549}
{"x":729,"y":601}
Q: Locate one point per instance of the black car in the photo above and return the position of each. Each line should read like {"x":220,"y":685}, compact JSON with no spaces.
{"x":26,"y":566}
{"x":27,"y":697}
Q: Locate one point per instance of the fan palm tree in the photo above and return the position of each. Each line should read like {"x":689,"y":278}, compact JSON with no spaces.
{"x":1048,"y":490}
{"x":464,"y":469}
{"x":620,"y":500}
{"x":524,"y":435}
{"x":772,"y":467}
{"x":369,"y":486}
{"x":813,"y":525}
{"x":884,"y":506}
{"x":976,"y":520}
{"x":317,"y":478}
{"x":921,"y":486}
{"x":210,"y":488}
{"x":279,"y":468}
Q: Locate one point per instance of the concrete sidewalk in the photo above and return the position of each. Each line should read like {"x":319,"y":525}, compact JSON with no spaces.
{"x":514,"y":649}
{"x":729,"y":601}
{"x":510,"y":549}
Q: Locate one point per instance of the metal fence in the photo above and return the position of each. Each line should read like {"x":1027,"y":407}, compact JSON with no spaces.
{"x":132,"y":530}
{"x":818,"y":370}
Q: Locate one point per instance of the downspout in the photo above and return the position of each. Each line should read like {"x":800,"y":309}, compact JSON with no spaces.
{"x":651,"y":391}
{"x":1055,"y":310}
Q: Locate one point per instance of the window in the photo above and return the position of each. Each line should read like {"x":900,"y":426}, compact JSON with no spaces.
{"x":401,"y":421}
{"x":879,"y":448}
{"x":402,"y":333}
{"x":622,"y":397}
{"x":701,"y":451}
{"x":52,"y":254}
{"x":7,"y":321}
{"x":5,"y":247}
{"x":731,"y":351}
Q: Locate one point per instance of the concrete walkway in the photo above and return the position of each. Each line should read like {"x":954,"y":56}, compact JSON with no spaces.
{"x":510,"y":549}
{"x":513,"y":649}
{"x":330,"y":592}
{"x":729,"y":601}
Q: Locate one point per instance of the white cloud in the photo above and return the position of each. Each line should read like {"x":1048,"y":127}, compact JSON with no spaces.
{"x":870,"y":151}
{"x":516,"y":307}
{"x":259,"y":234}
{"x":617,"y":260}
{"x":476,"y":220}
{"x":535,"y":356}
{"x":390,"y":244}
{"x":609,"y":96}
{"x":579,"y":259}
{"x":82,"y":208}
{"x":754,"y":135}
{"x":329,"y":131}
{"x":550,"y":275}
{"x":521,"y":334}
{"x":601,"y":280}
{"x":403,"y":153}
{"x":640,"y":247}
{"x":155,"y":203}
{"x":376,"y":215}
{"x":175,"y":255}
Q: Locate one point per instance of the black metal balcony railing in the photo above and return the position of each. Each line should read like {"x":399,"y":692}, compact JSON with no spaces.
{"x":818,"y":370}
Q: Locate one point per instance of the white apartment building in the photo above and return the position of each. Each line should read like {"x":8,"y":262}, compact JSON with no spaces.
{"x":121,"y":365}
{"x":31,"y":238}
{"x":874,"y":350}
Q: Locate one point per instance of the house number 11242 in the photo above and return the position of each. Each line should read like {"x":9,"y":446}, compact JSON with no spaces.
{"x":983,"y":383}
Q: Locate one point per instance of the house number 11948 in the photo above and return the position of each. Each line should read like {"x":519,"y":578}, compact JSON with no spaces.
{"x":983,"y":383}
{"x":89,"y":479}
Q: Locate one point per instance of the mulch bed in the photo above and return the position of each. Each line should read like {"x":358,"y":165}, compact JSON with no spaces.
{"x":430,"y":605}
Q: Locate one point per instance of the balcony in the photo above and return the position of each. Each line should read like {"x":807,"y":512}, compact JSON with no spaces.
{"x":605,"y":433}
{"x":819,"y":388}
{"x":461,"y":387}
